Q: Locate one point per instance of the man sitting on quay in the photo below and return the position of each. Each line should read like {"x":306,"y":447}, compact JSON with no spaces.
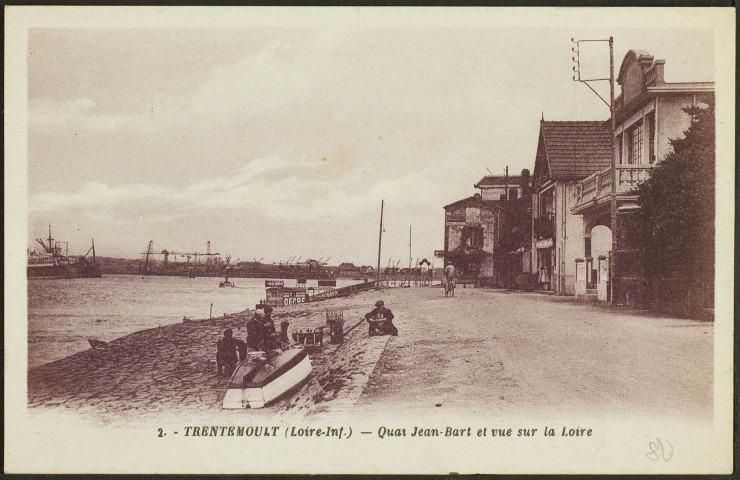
{"x":381,"y":320}
{"x":226,"y":353}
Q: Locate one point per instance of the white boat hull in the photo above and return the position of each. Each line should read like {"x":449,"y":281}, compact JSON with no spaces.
{"x":256,"y":395}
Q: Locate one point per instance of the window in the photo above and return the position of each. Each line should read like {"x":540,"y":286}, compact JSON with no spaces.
{"x":473,"y":237}
{"x":634,"y":144}
{"x":651,"y":137}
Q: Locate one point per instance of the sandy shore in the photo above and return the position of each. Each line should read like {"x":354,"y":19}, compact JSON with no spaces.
{"x":482,"y":352}
{"x":172,"y":369}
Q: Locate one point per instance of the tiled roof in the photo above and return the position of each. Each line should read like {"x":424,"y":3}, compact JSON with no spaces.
{"x":576,"y":149}
{"x":474,"y":201}
{"x":493,"y":180}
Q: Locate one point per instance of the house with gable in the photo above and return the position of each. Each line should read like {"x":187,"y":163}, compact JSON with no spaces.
{"x":649,"y":112}
{"x":469,"y":236}
{"x":567,"y":152}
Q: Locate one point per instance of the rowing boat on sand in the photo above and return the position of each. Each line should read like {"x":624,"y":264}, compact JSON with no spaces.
{"x":262,"y":378}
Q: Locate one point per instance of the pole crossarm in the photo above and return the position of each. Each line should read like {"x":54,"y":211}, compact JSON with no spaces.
{"x":593,"y":90}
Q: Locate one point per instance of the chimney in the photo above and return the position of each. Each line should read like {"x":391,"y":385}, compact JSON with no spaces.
{"x":656,"y":73}
{"x":524,"y":183}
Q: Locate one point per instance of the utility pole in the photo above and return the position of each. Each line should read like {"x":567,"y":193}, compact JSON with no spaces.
{"x":410,"y":247}
{"x":613,"y":166}
{"x":506,"y":183}
{"x":380,"y":243}
{"x":615,"y":222}
{"x":504,"y":226}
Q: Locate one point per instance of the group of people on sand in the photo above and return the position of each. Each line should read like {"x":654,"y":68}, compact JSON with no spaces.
{"x":261,"y":336}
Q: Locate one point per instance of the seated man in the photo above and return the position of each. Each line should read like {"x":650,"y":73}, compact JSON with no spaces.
{"x":254,"y":332}
{"x":284,"y":340}
{"x":381,"y":320}
{"x":269,"y":333}
{"x":241,"y":347}
{"x":226,"y":353}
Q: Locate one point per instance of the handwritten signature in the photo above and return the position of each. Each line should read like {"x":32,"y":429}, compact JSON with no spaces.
{"x":660,"y":452}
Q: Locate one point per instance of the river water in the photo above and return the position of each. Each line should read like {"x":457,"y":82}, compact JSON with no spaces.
{"x":64,"y":313}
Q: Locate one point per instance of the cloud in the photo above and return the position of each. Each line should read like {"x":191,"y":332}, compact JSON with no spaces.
{"x":272,"y":187}
{"x":76,"y":114}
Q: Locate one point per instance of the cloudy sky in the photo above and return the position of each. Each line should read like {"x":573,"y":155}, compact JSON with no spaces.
{"x":275,"y":142}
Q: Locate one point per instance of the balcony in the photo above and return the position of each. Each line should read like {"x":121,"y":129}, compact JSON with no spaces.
{"x":595,"y":190}
{"x":544,"y":226}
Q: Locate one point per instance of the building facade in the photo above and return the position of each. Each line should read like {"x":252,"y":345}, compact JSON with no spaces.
{"x":649,"y":113}
{"x":567,"y":152}
{"x":469,"y":236}
{"x":512,"y":263}
{"x":492,"y":187}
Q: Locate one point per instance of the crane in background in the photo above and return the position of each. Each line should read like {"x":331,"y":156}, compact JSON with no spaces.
{"x":151,"y":251}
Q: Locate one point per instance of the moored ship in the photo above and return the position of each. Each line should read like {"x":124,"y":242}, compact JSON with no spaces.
{"x":54,"y":261}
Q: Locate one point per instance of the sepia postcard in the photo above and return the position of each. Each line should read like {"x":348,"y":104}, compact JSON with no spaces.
{"x":300,"y":240}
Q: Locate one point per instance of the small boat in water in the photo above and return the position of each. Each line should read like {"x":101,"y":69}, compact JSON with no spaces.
{"x":263,"y":377}
{"x":226,"y":283}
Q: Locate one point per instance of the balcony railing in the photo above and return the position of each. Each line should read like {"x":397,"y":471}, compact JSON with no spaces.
{"x":597,"y":187}
{"x":630,"y":176}
{"x":544,"y":226}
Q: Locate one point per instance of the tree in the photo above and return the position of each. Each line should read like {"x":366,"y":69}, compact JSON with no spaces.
{"x":674,"y":227}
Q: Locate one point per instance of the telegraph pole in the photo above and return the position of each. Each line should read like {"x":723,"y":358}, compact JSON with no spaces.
{"x":615,"y":222}
{"x":613,"y":166}
{"x":410,"y":247}
{"x":380,"y":242}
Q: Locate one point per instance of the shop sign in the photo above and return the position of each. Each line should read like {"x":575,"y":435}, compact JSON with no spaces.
{"x":456,"y":216}
{"x":546,"y":243}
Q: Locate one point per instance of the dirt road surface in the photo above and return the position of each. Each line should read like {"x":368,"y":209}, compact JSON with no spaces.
{"x":491,"y":352}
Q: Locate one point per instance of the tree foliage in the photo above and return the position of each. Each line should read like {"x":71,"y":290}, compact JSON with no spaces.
{"x":674,"y":226}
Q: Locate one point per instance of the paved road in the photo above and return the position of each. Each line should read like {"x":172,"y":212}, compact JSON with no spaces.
{"x":493,"y":351}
